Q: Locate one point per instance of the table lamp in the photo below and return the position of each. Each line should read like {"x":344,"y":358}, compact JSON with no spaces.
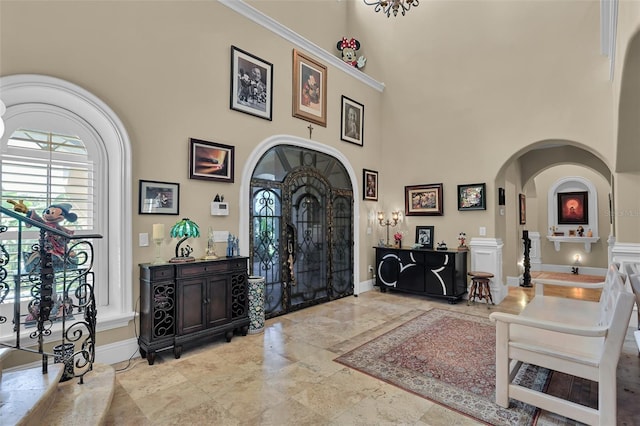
{"x":184,"y":229}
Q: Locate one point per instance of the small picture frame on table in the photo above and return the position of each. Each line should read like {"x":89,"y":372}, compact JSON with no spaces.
{"x":472,"y":197}
{"x":156,"y":197}
{"x":424,"y":237}
{"x":211,"y":161}
{"x":370,"y":183}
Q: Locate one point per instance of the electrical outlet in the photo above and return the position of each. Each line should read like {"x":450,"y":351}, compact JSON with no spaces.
{"x":370,"y":268}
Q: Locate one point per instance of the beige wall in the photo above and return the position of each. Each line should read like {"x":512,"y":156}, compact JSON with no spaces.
{"x":475,"y":88}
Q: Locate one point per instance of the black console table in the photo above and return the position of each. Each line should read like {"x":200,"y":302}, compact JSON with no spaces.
{"x":189,"y":302}
{"x":426,"y":272}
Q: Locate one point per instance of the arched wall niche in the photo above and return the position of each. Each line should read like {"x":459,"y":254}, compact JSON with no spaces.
{"x":567,"y":185}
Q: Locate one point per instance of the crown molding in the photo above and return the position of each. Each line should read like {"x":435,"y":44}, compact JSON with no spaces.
{"x":297,"y":40}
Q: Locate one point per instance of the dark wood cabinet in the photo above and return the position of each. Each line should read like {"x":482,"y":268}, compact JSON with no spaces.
{"x":426,"y":272}
{"x":190,"y":302}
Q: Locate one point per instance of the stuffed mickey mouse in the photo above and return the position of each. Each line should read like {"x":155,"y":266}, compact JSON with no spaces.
{"x":348,"y":47}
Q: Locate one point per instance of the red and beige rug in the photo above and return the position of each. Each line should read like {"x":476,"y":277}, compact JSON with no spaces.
{"x":449,"y":358}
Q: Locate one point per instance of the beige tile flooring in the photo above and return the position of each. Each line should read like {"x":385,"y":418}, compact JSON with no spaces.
{"x":286,"y":375}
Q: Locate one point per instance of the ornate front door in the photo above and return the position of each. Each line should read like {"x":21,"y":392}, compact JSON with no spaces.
{"x":302,"y":231}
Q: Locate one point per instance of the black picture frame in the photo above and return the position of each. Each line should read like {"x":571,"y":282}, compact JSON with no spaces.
{"x":352,"y":121}
{"x":501,"y":197}
{"x":424,"y":200}
{"x":251,"y":84}
{"x":369,"y":185}
{"x":573,"y":208}
{"x":425,"y":237}
{"x":211,"y":161}
{"x":156,"y":197}
{"x":472,"y":196}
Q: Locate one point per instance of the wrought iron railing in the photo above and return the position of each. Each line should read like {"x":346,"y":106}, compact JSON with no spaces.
{"x":50,"y":282}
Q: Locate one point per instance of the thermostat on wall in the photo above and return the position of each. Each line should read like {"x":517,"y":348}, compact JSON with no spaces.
{"x":219,"y":209}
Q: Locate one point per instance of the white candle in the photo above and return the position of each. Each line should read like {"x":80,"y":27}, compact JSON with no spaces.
{"x":158,"y":231}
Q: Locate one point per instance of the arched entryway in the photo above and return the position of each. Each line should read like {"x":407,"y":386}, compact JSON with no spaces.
{"x":301,"y":218}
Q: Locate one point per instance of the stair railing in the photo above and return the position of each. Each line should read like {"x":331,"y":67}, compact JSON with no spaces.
{"x":57,"y":288}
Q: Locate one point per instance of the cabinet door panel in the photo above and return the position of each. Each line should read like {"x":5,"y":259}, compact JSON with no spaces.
{"x":191,"y":306}
{"x":218,"y":306}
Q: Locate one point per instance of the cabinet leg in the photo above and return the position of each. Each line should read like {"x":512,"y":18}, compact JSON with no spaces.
{"x":177,"y":351}
{"x":228,"y":335}
{"x":244,"y":330}
{"x":143,"y":353}
{"x":151,"y":358}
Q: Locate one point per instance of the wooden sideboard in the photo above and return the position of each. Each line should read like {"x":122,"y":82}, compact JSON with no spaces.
{"x":426,"y":272}
{"x":190,"y":302}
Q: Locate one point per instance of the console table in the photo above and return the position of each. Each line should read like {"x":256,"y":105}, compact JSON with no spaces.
{"x":426,"y":272}
{"x":190,"y":302}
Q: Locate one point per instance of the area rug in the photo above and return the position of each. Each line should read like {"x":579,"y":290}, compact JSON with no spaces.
{"x":449,"y":358}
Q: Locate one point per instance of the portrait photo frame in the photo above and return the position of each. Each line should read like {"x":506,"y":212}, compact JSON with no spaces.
{"x":424,"y":237}
{"x":309,"y":89}
{"x":369,"y":185}
{"x":522,"y":208}
{"x":211,"y":161}
{"x":472,"y":196}
{"x":251,"y":84}
{"x":573,"y":208}
{"x":352,"y":121}
{"x":423,"y":200}
{"x":155,"y":197}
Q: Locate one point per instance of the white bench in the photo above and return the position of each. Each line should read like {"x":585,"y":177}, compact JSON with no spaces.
{"x":633,"y":272}
{"x":577,"y":337}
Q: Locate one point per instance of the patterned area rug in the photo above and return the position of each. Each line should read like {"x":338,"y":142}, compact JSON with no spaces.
{"x":449,"y":358}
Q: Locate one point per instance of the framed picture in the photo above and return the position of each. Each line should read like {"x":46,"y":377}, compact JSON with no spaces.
{"x":352,"y":121}
{"x":501,"y":197}
{"x":423,"y":200}
{"x":573,"y":208}
{"x":424,"y":236}
{"x":523,"y":209}
{"x":309,"y":89}
{"x":370,"y":183}
{"x":251,"y":84}
{"x":158,"y":197}
{"x":211,"y":161}
{"x":472,"y":197}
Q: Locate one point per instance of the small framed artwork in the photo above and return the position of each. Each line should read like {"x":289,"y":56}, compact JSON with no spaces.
{"x":211,"y":161}
{"x":158,"y":197}
{"x":251,"y":84}
{"x":501,"y":197}
{"x":424,"y":237}
{"x":472,"y":197}
{"x":423,"y":200}
{"x":523,"y":209}
{"x":309,"y":89}
{"x":352,"y":121}
{"x":370,"y":182}
{"x":573,"y":208}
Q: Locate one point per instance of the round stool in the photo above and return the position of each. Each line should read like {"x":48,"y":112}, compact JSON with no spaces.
{"x":480,"y":288}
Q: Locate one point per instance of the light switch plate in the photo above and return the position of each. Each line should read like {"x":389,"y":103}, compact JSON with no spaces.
{"x":483,"y":231}
{"x":143,"y":239}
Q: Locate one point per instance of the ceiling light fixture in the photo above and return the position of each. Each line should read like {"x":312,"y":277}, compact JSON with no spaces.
{"x":389,"y":6}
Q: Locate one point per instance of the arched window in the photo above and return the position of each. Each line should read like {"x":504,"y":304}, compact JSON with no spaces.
{"x":62,"y":144}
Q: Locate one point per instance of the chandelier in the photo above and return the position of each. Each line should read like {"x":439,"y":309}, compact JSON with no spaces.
{"x":389,"y":6}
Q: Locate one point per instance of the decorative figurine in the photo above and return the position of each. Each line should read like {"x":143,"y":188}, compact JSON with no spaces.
{"x":442,"y":246}
{"x":348,"y":48}
{"x":462,"y":238}
{"x":580,"y":231}
{"x":211,"y":246}
{"x":230,"y":242}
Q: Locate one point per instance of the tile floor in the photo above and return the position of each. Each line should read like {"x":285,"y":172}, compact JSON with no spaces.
{"x":286,"y":375}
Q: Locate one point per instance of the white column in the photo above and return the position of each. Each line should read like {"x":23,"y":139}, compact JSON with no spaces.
{"x":486,"y":256}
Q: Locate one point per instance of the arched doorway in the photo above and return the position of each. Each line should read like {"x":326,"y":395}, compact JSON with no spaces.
{"x":301,"y":229}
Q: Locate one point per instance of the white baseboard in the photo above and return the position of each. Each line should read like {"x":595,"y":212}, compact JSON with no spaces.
{"x":365,"y":286}
{"x":586,"y":270}
{"x":114,"y":353}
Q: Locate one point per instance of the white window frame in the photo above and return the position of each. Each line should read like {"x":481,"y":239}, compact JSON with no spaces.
{"x":47,"y":103}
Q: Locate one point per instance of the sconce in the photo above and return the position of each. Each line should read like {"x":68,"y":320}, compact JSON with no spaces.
{"x":576,"y":261}
{"x":184,"y":229}
{"x":395,"y":216}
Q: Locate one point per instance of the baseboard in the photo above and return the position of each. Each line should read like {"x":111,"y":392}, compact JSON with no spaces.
{"x":114,"y":353}
{"x":586,"y":270}
{"x":365,"y":286}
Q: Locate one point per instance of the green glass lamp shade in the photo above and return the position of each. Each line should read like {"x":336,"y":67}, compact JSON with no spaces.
{"x":184,"y":229}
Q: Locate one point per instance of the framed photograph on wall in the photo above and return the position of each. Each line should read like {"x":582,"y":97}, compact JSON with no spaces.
{"x":424,"y":236}
{"x":370,"y":185}
{"x":573,"y":208}
{"x":352,"y":121}
{"x":251,"y":84}
{"x":309,"y":89}
{"x":211,"y":161}
{"x":423,"y":200}
{"x":472,"y":197}
{"x":522,"y":209}
{"x":158,"y":197}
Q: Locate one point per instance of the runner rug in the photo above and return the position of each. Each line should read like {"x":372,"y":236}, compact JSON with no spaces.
{"x":449,"y":358}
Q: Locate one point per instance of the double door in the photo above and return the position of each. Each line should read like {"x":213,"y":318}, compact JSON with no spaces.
{"x":203,"y":303}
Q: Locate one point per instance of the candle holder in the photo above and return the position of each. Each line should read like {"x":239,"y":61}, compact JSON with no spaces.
{"x":158,"y":243}
{"x":395,"y":216}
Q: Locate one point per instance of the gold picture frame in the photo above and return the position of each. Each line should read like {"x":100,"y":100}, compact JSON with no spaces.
{"x":309,"y":89}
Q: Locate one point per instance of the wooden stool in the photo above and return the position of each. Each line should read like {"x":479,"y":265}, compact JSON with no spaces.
{"x":480,"y":288}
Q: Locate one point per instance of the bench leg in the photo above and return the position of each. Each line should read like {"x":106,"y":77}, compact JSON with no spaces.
{"x":502,"y":364}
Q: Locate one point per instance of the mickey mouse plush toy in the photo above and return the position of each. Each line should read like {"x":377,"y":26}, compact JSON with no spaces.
{"x":51,"y":216}
{"x":348,"y":47}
